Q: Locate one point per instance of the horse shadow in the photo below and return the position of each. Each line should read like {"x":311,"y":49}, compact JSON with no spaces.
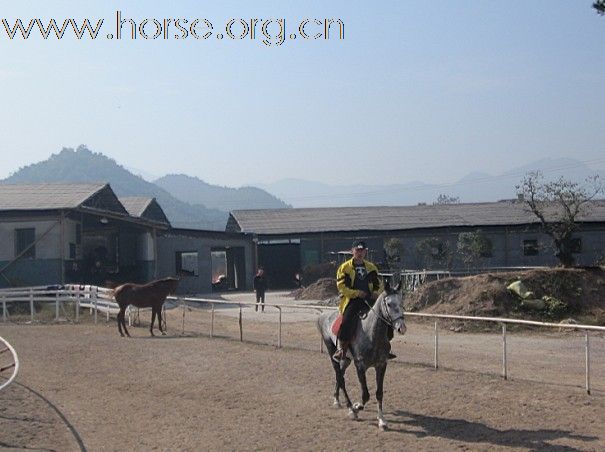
{"x":476,"y":432}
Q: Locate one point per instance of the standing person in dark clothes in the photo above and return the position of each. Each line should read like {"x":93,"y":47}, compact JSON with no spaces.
{"x":260,"y":286}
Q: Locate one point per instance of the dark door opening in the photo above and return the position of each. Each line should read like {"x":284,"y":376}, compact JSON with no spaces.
{"x":281,"y":263}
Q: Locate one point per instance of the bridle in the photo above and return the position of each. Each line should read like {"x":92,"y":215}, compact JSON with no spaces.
{"x":389,"y":321}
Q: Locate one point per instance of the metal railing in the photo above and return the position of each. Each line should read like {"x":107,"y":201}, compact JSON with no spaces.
{"x":98,"y":299}
{"x":502,"y":321}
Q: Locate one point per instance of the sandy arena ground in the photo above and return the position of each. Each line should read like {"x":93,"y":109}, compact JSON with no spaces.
{"x":84,"y":387}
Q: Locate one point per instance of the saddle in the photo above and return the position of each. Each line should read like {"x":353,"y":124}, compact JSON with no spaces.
{"x":338,"y":323}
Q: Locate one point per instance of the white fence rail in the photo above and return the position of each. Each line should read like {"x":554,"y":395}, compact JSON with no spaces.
{"x":502,"y":321}
{"x":99,"y":299}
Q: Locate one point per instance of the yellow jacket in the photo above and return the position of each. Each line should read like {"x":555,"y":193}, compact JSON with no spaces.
{"x":345,"y":278}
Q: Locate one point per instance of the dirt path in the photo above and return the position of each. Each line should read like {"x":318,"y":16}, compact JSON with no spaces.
{"x":192,"y":392}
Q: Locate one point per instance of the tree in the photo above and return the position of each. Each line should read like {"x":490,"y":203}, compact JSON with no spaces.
{"x":558,"y":205}
{"x":446,"y":199}
{"x":435,"y":252}
{"x":473,"y":245}
{"x":393,"y":251}
{"x":599,"y":5}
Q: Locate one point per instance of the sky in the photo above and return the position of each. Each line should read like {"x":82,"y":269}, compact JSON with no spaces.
{"x":416,"y":91}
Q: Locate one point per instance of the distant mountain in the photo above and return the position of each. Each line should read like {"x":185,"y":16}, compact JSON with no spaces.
{"x":474,"y":187}
{"x":196,"y":191}
{"x":83,"y":165}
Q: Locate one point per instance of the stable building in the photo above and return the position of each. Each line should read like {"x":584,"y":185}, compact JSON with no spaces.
{"x":83,"y":233}
{"x":207,"y":261}
{"x":290,"y":239}
{"x":59,"y":233}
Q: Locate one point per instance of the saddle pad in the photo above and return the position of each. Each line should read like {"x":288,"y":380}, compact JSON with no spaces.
{"x":336,"y":325}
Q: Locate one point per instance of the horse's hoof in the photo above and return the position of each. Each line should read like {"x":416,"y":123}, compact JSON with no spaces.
{"x":336,"y":403}
{"x":358,"y":406}
{"x":163,"y":333}
{"x":352,"y":414}
{"x":382,"y":425}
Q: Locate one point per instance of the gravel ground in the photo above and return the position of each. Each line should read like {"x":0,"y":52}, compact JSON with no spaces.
{"x":84,"y":386}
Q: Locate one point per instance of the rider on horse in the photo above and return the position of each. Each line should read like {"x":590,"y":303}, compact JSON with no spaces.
{"x":359,"y":286}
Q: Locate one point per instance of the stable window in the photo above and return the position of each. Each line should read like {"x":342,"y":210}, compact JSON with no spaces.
{"x":187,"y":263}
{"x":23,"y":239}
{"x":575,"y":245}
{"x":530,"y":247}
{"x":486,"y":248}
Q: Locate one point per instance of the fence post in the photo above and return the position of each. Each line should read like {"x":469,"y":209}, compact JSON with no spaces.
{"x":31,"y":305}
{"x":57,"y":306}
{"x":183,"y":306}
{"x":78,"y":304}
{"x":88,"y":290}
{"x":241,"y":330}
{"x":3,"y":309}
{"x":321,"y":340}
{"x":94,"y":295}
{"x":436,"y":347}
{"x":279,"y":329}
{"x":504,"y":365}
{"x":587,"y":364}
{"x":212,"y":321}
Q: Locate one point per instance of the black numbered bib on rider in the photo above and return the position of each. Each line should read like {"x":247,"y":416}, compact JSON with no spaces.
{"x":361,"y":281}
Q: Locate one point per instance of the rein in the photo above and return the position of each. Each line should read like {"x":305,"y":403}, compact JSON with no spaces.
{"x":390,"y":322}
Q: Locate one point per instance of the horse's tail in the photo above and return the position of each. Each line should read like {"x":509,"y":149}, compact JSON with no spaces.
{"x":324,"y":324}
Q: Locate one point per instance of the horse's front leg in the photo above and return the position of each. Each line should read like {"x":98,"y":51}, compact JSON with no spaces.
{"x":365,"y":394}
{"x":380,"y":372}
{"x":160,"y":321}
{"x":152,"y":320}
{"x":122,"y":322}
{"x":119,"y":319}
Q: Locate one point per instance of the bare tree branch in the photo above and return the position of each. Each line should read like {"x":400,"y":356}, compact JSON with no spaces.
{"x":558,"y":205}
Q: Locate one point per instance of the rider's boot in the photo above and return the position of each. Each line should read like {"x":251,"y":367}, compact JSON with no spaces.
{"x":341,"y":353}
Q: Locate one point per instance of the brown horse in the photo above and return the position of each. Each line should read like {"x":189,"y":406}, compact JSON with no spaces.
{"x":150,"y":295}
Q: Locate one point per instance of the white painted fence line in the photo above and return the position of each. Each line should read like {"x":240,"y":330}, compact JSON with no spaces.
{"x":100,"y":299}
{"x":14,"y":365}
{"x":320,"y":308}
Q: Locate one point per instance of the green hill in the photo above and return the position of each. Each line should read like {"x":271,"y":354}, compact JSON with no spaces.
{"x":83,"y":165}
{"x":196,"y":191}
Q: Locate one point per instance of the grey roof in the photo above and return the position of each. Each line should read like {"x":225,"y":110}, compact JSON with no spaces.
{"x":135,"y":205}
{"x":142,"y":207}
{"x":292,"y":221}
{"x":49,"y":196}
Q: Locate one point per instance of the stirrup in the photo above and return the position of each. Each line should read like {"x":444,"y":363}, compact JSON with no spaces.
{"x":338,"y":355}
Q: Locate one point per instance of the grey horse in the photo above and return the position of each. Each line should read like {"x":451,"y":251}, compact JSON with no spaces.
{"x":369,"y":348}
